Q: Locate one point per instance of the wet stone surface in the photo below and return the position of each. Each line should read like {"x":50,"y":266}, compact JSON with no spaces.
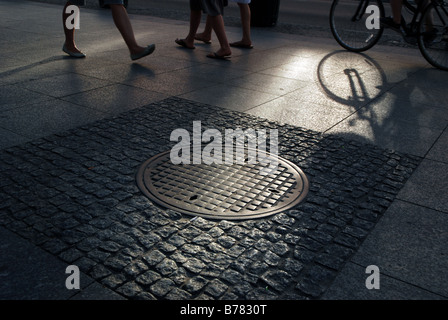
{"x":74,"y":195}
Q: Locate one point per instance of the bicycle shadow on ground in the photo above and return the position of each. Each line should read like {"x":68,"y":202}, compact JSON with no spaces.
{"x":351,"y":79}
{"x":395,"y":114}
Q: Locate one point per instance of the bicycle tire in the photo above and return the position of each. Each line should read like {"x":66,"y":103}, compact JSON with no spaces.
{"x":351,"y":34}
{"x":433,"y":44}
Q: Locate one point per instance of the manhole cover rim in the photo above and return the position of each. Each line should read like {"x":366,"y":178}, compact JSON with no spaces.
{"x":183,"y":207}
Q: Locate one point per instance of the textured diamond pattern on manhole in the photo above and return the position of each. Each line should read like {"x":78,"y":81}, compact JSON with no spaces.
{"x":222,"y":191}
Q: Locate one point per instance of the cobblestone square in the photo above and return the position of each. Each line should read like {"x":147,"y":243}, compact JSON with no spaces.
{"x":74,"y":195}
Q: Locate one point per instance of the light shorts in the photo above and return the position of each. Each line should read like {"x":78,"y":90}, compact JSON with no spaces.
{"x":83,"y":2}
{"x":241,"y":1}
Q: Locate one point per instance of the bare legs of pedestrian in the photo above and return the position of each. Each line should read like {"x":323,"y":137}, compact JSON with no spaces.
{"x":123,"y":24}
{"x":245,"y":41}
{"x":206,"y":35}
{"x":396,"y":10}
{"x":195,"y":21}
{"x":69,"y":45}
{"x":217,"y":23}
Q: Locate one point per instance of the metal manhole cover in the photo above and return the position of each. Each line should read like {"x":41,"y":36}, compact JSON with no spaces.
{"x":222,"y":191}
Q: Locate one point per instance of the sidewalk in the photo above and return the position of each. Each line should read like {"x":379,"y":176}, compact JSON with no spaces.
{"x":370,"y":131}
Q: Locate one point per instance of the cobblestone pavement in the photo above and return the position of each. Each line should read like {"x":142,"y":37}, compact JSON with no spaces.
{"x":74,"y":195}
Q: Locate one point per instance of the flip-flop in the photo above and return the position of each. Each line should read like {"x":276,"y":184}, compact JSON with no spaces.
{"x":182,"y":43}
{"x":73,"y":54}
{"x":148,"y":50}
{"x":241,"y":45}
{"x":214,"y":55}
{"x":205,"y":41}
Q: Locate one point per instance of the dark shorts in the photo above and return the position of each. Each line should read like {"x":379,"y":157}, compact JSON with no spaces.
{"x":83,"y":2}
{"x":211,"y":7}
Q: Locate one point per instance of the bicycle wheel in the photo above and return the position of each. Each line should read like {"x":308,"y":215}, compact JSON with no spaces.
{"x":349,"y":24}
{"x":433,"y":35}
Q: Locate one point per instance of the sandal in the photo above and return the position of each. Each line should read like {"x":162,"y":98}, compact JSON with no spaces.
{"x":214,"y":55}
{"x":182,"y":43}
{"x":241,"y":45}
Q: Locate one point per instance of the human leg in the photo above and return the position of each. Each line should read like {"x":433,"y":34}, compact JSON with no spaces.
{"x":396,"y":6}
{"x":245,"y":41}
{"x":69,"y":45}
{"x":195,"y":21}
{"x":394,"y":22}
{"x":217,"y":23}
{"x":215,"y":11}
{"x":206,"y":35}
{"x":245,"y":21}
{"x":123,"y":24}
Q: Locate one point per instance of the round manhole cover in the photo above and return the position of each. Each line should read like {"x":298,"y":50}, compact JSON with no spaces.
{"x":222,"y":191}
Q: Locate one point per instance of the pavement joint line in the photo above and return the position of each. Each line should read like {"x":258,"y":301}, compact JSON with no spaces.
{"x":434,"y":143}
{"x":421,"y":205}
